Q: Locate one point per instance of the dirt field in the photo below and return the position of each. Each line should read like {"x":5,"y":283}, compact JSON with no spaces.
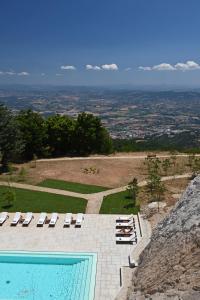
{"x":108,"y":173}
{"x":102,"y":171}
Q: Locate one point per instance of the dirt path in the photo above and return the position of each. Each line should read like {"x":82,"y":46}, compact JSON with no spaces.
{"x":94,"y":200}
{"x":110,"y":157}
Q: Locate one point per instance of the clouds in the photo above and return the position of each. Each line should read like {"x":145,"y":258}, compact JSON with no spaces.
{"x":72,"y":68}
{"x":95,"y":68}
{"x":23,"y":74}
{"x":12,"y":73}
{"x":128,"y":69}
{"x":188,"y":66}
{"x":163,"y":67}
{"x":105,"y":67}
{"x":111,"y":67}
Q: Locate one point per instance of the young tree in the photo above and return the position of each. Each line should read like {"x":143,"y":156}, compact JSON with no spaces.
{"x":155,"y":187}
{"x":166,"y":164}
{"x":9,"y":197}
{"x":153,"y":164}
{"x":191,"y":159}
{"x":195,"y":166}
{"x":133,"y":190}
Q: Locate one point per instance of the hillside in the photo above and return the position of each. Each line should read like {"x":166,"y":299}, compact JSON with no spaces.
{"x":170,"y":265}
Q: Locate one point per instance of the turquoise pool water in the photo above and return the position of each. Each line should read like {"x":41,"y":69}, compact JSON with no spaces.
{"x":47,"y":276}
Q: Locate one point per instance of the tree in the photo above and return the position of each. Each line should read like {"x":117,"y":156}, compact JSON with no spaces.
{"x":133,"y":190}
{"x":33,"y":130}
{"x":166,"y":164}
{"x":9,"y":197}
{"x":90,"y":136}
{"x":155,"y":187}
{"x":153,"y":164}
{"x":191,"y":159}
{"x":11,"y":144}
{"x":195,"y":166}
{"x":60,"y":130}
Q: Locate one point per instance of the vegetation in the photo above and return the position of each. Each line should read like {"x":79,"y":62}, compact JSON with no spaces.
{"x":26,"y":200}
{"x":29,"y":135}
{"x":11,"y":143}
{"x":182,"y":142}
{"x":194,"y":164}
{"x":119,"y":203}
{"x":72,"y":186}
{"x":33,"y":131}
{"x":133,"y":190}
{"x":8,"y":198}
{"x":155,"y":187}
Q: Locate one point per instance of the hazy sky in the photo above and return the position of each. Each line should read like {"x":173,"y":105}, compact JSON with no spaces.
{"x":100,"y":42}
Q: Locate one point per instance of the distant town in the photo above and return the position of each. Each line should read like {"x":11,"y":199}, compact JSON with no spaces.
{"x":125,"y":113}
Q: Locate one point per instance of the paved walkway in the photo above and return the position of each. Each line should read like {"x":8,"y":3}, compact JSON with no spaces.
{"x":96,"y":235}
{"x":94,"y":200}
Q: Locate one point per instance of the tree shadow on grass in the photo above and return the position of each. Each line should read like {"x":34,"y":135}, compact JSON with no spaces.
{"x":129,"y":205}
{"x":6,"y":206}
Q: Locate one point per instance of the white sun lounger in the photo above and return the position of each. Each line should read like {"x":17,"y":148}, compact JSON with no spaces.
{"x":53,"y":219}
{"x":3,"y":217}
{"x":130,"y":240}
{"x":125,"y":224}
{"x":68,"y":219}
{"x":16,"y":219}
{"x":79,"y":220}
{"x":28,"y":218}
{"x":42,"y":219}
{"x":124,"y":218}
{"x":126,"y":232}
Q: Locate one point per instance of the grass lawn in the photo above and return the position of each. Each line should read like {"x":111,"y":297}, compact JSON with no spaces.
{"x":72,"y":186}
{"x":118,"y":204}
{"x":39,"y":201}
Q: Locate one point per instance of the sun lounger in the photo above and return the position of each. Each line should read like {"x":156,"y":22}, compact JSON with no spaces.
{"x":16,"y":219}
{"x":125,"y":224}
{"x":79,"y":220}
{"x":42,"y":219}
{"x":53,"y":220}
{"x":28,"y":218}
{"x":125,"y":232}
{"x":124,"y":219}
{"x":3,"y":217}
{"x":130,"y":240}
{"x":68,"y":219}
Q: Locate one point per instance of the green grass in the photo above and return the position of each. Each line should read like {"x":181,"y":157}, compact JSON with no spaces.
{"x":39,"y":201}
{"x":118,"y":204}
{"x":72,"y":186}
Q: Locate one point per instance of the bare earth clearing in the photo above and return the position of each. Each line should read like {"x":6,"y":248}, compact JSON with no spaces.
{"x":109,"y":171}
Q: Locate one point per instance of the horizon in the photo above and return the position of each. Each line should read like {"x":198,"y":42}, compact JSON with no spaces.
{"x":96,"y":44}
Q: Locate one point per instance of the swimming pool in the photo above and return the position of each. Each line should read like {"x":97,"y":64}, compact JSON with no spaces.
{"x":47,"y":275}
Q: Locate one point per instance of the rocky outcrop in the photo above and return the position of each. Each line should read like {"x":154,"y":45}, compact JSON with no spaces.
{"x":169,"y":267}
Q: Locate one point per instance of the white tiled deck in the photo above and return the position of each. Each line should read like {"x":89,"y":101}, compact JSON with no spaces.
{"x":96,"y":235}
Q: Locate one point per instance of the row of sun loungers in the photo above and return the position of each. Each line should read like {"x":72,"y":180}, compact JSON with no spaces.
{"x":125,"y":230}
{"x":43,"y":219}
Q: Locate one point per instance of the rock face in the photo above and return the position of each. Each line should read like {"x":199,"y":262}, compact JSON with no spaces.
{"x":169,"y":267}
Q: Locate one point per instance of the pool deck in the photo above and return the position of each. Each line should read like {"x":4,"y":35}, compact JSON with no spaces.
{"x":97,"y":235}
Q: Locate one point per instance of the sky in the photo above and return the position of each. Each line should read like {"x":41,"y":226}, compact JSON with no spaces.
{"x":100,"y":42}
